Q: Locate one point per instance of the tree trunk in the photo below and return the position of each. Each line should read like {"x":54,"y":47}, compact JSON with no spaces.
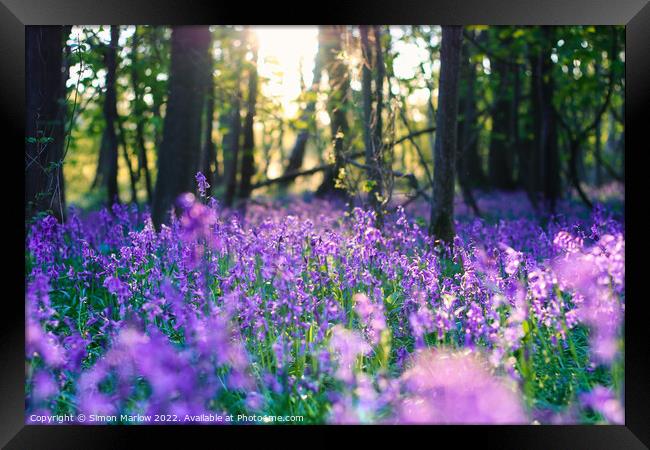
{"x":138,"y":110}
{"x":107,"y":164}
{"x":467,"y":162}
{"x":473,"y":163}
{"x":115,"y":35}
{"x":224,"y":119}
{"x":248,"y":149}
{"x":337,"y":104}
{"x":45,"y":115}
{"x":574,"y":153}
{"x":501,"y":152}
{"x":549,"y":139}
{"x":380,"y":75}
{"x":127,"y":158}
{"x":612,"y":139}
{"x":371,"y":121}
{"x":209,"y":153}
{"x":598,"y":151}
{"x":515,"y":139}
{"x":533,"y":162}
{"x":180,"y":150}
{"x":544,"y":167}
{"x":622,"y":140}
{"x":231,"y":152}
{"x":442,"y":208}
{"x":156,"y":42}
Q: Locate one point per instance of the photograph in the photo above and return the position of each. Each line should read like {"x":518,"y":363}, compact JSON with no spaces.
{"x":272,"y":225}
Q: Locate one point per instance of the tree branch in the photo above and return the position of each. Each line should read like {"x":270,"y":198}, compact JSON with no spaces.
{"x":511,"y":62}
{"x":580,"y":135}
{"x":576,"y":139}
{"x":413,"y":181}
{"x":290,"y":176}
{"x":608,"y":168}
{"x":414,"y":134}
{"x":422,"y":192}
{"x":617,"y":116}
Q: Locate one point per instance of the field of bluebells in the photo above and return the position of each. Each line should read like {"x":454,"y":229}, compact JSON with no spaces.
{"x":306,"y":309}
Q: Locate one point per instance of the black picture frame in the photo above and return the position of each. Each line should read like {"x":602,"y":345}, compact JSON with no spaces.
{"x":16,"y":14}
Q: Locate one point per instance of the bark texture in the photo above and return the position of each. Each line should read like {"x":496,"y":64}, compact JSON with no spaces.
{"x":106,"y":174}
{"x":45,"y":116}
{"x":444,"y":151}
{"x":179,"y":154}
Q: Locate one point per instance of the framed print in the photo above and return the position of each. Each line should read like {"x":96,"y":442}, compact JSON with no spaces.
{"x":408,"y":217}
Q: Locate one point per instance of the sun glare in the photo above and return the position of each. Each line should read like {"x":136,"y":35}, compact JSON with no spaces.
{"x":285,"y":53}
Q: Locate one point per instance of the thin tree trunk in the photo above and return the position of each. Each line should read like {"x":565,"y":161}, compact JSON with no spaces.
{"x":108,"y":153}
{"x":551,"y":166}
{"x":209,"y":153}
{"x":380,"y":75}
{"x":337,"y":104}
{"x":366,"y":94}
{"x":534,"y":161}
{"x":138,"y":110}
{"x":248,"y":149}
{"x":297,"y":154}
{"x":598,"y":151}
{"x":115,"y":33}
{"x":158,"y":100}
{"x":499,"y":162}
{"x":514,"y":128}
{"x":442,"y":208}
{"x":574,"y":154}
{"x":224,"y":121}
{"x":612,"y":140}
{"x":431,"y":117}
{"x":61,"y":131}
{"x":371,"y":122}
{"x":127,"y":159}
{"x":544,"y":168}
{"x":231,"y":152}
{"x":467,"y":145}
{"x":180,"y":150}
{"x":267,"y":145}
{"x":382,"y":195}
{"x":622,"y":140}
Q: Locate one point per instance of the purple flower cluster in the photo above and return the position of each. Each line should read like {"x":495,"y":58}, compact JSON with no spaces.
{"x":310,"y":309}
{"x":457,"y":388}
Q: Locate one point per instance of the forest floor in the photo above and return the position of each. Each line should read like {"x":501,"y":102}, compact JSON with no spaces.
{"x":303,"y":311}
